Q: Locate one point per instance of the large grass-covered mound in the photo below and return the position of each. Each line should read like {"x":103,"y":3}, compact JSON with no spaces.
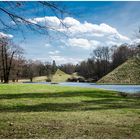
{"x":60,"y":76}
{"x":127,"y":73}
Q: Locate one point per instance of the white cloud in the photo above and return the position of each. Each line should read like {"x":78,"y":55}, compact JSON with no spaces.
{"x":3,"y":35}
{"x":76,"y":27}
{"x":135,"y":41}
{"x":63,"y":59}
{"x":54,"y":52}
{"x":59,"y":59}
{"x":89,"y":44}
{"x":84,"y":35}
{"x":79,"y":42}
{"x":94,"y":44}
{"x":69,"y":21}
{"x":49,"y":21}
{"x":47,"y":45}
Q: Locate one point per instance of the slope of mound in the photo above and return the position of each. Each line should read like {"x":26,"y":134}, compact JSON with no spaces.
{"x":127,"y":73}
{"x":60,"y":76}
{"x":40,"y":79}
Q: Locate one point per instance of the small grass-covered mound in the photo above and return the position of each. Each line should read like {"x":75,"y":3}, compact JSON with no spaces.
{"x":60,"y":76}
{"x":40,"y":79}
{"x":127,"y":73}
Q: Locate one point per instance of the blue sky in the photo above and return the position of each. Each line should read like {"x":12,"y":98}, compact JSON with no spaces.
{"x":92,"y":24}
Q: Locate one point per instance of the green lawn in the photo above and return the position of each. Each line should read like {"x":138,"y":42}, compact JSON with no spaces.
{"x":50,"y":111}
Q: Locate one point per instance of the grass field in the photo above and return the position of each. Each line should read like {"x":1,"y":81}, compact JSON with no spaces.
{"x":43,"y":111}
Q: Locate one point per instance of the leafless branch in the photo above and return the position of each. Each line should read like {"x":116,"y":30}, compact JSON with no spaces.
{"x":19,"y":19}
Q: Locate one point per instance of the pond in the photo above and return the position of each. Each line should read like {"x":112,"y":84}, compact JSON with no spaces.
{"x":120,"y":88}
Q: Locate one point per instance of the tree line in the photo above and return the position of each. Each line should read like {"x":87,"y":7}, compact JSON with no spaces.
{"x":13,"y":66}
{"x":105,"y":59}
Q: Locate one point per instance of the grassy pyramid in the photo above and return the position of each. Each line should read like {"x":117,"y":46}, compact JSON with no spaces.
{"x":40,"y":79}
{"x":60,"y":76}
{"x":127,"y":73}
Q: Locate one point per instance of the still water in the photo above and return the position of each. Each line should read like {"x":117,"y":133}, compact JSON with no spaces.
{"x":120,"y":88}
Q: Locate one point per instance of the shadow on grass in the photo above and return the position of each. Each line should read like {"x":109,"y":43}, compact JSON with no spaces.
{"x":60,"y":107}
{"x":99,"y":100}
{"x":92,"y":94}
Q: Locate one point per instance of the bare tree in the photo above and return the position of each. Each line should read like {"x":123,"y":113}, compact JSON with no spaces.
{"x":8,"y":51}
{"x":102,"y":57}
{"x":17,"y":66}
{"x":67,"y":68}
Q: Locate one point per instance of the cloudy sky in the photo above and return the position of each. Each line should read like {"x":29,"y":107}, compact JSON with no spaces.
{"x":89,"y":25}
